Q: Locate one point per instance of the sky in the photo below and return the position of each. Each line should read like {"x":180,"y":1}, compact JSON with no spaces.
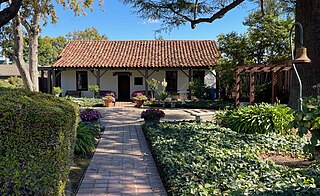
{"x":119,"y":23}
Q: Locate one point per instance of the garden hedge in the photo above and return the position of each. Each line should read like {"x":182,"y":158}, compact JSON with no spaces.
{"x":37,"y":135}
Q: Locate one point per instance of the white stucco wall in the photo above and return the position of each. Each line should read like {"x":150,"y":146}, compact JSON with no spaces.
{"x":110,"y":82}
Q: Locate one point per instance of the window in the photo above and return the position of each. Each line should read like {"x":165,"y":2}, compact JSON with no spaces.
{"x":198,"y":76}
{"x":138,"y":81}
{"x":172,"y":80}
{"x":82,"y":80}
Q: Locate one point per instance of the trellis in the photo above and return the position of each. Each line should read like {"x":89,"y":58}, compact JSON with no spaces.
{"x":258,"y":68}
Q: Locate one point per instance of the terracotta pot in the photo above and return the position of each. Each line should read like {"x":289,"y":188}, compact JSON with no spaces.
{"x":108,"y":103}
{"x":139,"y":103}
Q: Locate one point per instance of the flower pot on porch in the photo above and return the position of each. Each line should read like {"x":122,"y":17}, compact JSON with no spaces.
{"x":108,"y":103}
{"x":139,"y":103}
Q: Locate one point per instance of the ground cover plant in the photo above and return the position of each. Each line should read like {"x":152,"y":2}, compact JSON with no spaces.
{"x":308,"y":120}
{"x":87,"y":102}
{"x":205,"y":159}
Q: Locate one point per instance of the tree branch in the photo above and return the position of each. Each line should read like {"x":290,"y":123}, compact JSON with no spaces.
{"x":25,"y":23}
{"x":217,"y":15}
{"x":10,"y":12}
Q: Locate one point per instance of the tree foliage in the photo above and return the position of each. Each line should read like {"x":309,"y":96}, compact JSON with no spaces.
{"x":265,"y":41}
{"x":33,"y":13}
{"x":175,"y":13}
{"x":87,"y":34}
{"x":179,"y":12}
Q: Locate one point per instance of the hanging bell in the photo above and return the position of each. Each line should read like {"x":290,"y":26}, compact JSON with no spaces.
{"x":301,"y":56}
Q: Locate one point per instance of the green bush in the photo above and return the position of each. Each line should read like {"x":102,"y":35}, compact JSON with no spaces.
{"x":37,"y":135}
{"x":12,"y":82}
{"x":198,"y":89}
{"x":87,"y":102}
{"x":262,"y":118}
{"x":309,"y":120}
{"x":163,"y":95}
{"x":85,"y":140}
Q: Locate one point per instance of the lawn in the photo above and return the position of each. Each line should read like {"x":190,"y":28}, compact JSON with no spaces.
{"x":205,"y":159}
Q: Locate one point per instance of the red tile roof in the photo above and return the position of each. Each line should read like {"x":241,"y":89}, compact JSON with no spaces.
{"x":138,"y":54}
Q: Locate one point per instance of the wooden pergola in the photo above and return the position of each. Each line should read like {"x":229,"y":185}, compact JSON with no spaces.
{"x":258,"y":68}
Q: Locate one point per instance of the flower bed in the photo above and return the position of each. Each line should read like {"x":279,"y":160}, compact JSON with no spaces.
{"x":204,"y":159}
{"x":90,"y":115}
{"x":152,"y":114}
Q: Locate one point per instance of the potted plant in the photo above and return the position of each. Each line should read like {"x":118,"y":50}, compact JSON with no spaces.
{"x":139,"y":100}
{"x":108,"y":100}
{"x":153,"y":84}
{"x":56,"y":91}
{"x":152,"y":115}
{"x":95,"y":89}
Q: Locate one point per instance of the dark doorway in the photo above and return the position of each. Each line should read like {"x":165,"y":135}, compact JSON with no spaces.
{"x":123,"y":87}
{"x":172,"y":80}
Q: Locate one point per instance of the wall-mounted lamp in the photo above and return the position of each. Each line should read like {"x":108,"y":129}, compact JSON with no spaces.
{"x":301,"y":58}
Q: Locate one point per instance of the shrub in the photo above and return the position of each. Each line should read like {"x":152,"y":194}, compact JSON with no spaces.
{"x":37,"y":135}
{"x":90,"y":115}
{"x":153,"y":84}
{"x":95,"y":89}
{"x":163,"y":95}
{"x":56,"y":90}
{"x":85,"y":140}
{"x":12,"y":82}
{"x":262,"y":118}
{"x":309,"y":120}
{"x":152,"y":114}
{"x":198,"y":89}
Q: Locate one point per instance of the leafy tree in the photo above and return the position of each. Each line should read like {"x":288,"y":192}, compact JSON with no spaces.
{"x":235,"y":51}
{"x":10,"y":11}
{"x":87,"y":34}
{"x":50,"y":48}
{"x":268,"y":36}
{"x":32,"y":13}
{"x":265,"y":41}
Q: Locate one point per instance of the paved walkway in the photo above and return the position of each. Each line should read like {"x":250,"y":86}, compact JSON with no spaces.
{"x":122,"y":163}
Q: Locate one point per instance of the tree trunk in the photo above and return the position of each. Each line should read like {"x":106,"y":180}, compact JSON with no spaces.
{"x":33,"y":33}
{"x":308,"y":14}
{"x":18,"y":54}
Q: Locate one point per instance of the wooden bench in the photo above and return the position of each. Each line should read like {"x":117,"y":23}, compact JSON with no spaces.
{"x":73,"y":93}
{"x":200,"y":113}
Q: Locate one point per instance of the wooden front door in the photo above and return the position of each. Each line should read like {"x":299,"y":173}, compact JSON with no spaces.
{"x":172,"y":80}
{"x":123,"y":87}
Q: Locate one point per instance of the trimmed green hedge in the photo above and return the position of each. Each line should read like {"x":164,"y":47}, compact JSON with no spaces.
{"x":37,"y":135}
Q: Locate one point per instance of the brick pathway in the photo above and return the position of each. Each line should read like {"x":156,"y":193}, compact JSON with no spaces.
{"x":122,"y":163}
